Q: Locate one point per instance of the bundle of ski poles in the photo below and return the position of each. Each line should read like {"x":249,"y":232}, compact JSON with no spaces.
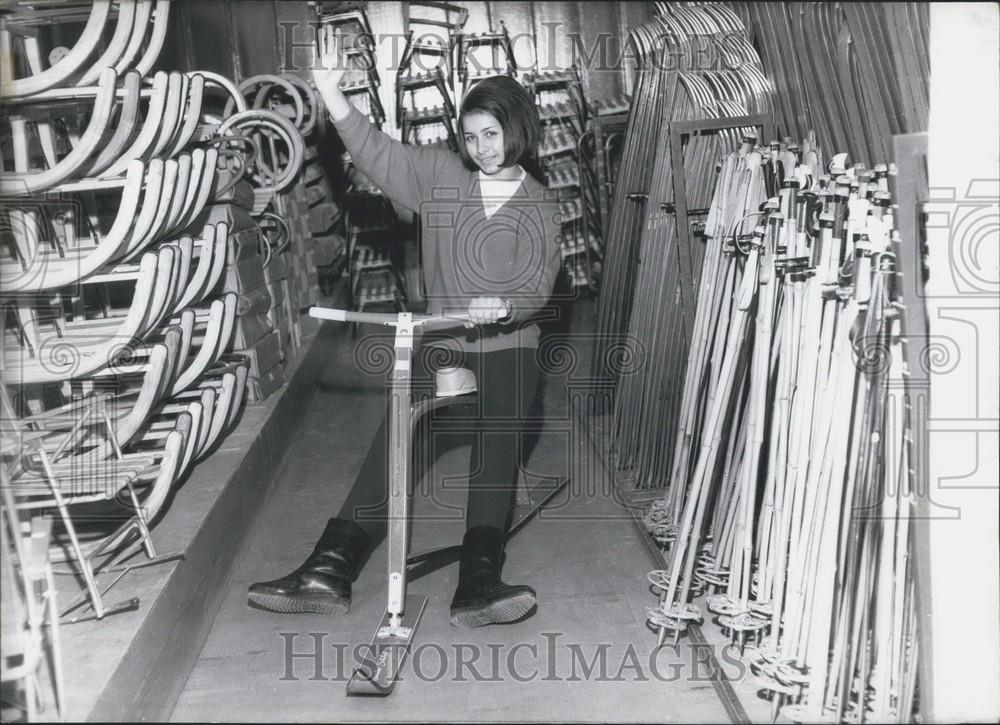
{"x":790,"y":498}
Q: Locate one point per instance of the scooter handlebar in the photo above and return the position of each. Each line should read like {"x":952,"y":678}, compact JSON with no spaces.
{"x":391,"y":319}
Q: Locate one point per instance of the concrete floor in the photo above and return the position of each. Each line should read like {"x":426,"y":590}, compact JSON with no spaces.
{"x":585,"y":656}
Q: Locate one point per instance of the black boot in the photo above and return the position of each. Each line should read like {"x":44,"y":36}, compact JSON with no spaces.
{"x":322,"y":585}
{"x":481,"y":598}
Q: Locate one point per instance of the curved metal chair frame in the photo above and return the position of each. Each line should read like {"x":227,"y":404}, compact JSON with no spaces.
{"x":70,"y":64}
{"x":24,"y":181}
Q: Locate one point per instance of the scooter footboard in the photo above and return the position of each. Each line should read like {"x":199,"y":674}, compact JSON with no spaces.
{"x":377,"y":673}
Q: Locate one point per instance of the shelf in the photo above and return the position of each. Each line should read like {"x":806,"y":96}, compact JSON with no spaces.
{"x":547,"y":79}
{"x":570,"y":211}
{"x":556,"y":111}
{"x":436,"y":114}
{"x":557,"y":141}
{"x":366,"y":258}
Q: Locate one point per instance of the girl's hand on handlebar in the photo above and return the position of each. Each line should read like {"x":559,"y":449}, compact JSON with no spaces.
{"x":487,"y":311}
{"x":329,"y":70}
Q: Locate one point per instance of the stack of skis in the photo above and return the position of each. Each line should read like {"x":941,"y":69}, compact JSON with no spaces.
{"x":835,"y":64}
{"x":790,"y":497}
{"x":694,"y":64}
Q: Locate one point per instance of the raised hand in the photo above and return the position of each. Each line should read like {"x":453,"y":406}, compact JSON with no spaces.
{"x":329,"y":69}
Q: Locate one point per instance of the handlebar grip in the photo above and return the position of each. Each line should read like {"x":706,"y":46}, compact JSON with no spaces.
{"x":339,"y":315}
{"x":328,"y":313}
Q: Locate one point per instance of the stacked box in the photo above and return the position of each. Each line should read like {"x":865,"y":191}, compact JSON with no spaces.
{"x":273,"y":299}
{"x":288,"y":302}
{"x":281,"y":314}
{"x":257,"y":336}
{"x":303,"y":280}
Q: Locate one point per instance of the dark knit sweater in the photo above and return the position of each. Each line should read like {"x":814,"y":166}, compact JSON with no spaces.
{"x":512,"y":255}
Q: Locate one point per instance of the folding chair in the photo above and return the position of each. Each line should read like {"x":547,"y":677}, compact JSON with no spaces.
{"x":38,"y":482}
{"x":29,"y":606}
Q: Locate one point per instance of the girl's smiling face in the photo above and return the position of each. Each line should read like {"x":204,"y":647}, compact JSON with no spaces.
{"x":483,"y":137}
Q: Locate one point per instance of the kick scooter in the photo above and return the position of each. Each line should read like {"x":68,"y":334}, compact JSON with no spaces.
{"x":390,"y":644}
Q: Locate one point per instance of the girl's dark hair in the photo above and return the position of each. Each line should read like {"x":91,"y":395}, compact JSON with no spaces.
{"x":506,"y":100}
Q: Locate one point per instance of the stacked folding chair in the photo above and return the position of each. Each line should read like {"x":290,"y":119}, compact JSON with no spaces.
{"x":350,"y":237}
{"x":481,"y":55}
{"x":425,"y":83}
{"x":361,"y":82}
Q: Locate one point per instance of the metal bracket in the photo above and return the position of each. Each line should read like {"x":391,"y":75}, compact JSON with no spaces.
{"x":395,"y":631}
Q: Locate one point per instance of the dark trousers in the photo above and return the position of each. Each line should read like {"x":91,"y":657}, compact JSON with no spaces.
{"x":506,"y":382}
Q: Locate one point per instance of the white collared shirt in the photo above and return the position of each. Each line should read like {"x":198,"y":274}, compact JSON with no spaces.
{"x":497,"y":192}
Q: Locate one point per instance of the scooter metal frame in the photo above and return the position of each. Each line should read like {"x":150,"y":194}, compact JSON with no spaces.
{"x":390,"y":643}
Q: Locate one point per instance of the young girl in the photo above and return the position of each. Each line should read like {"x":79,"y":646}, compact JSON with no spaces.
{"x":489,"y":247}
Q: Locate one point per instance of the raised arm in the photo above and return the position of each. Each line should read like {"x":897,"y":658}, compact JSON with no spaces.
{"x":406,"y":174}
